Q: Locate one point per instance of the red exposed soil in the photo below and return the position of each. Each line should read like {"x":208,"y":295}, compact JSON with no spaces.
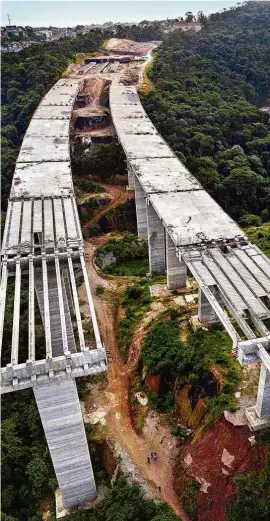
{"x":152,"y":383}
{"x":116,"y":399}
{"x":207,"y":464}
{"x":94,"y":87}
{"x":207,"y":451}
{"x":118,"y":420}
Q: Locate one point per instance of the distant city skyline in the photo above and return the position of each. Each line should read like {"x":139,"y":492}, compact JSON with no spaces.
{"x":69,"y":13}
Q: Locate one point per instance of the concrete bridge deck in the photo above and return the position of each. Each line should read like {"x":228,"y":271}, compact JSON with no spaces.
{"x":43,"y":245}
{"x":187,"y":229}
{"x":42,"y":250}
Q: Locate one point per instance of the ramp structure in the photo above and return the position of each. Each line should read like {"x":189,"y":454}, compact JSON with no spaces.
{"x":187,"y":230}
{"x":42,"y":253}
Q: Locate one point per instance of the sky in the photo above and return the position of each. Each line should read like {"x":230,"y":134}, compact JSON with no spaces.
{"x":68,"y":13}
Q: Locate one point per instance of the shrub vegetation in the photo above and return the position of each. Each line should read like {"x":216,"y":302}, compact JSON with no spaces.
{"x":135,"y":301}
{"x":165,"y":354}
{"x":131,"y":256}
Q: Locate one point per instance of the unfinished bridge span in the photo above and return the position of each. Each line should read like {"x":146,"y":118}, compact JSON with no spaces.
{"x":42,"y":253}
{"x":188,"y":230}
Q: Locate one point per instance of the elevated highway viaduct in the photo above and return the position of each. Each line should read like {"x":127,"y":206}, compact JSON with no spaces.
{"x":42,"y":250}
{"x":188,"y":230}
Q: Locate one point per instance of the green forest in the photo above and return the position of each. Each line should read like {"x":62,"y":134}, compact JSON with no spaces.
{"x":26,"y":77}
{"x":207,"y":88}
{"x":29,"y":74}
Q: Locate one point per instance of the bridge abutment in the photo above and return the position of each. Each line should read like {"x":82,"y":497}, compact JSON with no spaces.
{"x":141,"y":212}
{"x":60,"y":412}
{"x":176,"y":270}
{"x":156,"y":242}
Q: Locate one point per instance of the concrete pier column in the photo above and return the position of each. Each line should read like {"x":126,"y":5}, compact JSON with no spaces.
{"x":205,"y":312}
{"x":60,"y":412}
{"x":140,"y":200}
{"x":263,"y":396}
{"x":176,"y":270}
{"x":131,"y":181}
{"x":156,"y":242}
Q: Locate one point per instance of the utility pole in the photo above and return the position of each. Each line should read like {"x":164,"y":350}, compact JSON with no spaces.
{"x":9,"y":19}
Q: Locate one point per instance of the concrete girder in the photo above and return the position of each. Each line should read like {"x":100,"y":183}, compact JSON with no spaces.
{"x":90,"y":302}
{"x":16,"y":315}
{"x":3,"y":292}
{"x":61,"y":306}
{"x":31,"y":312}
{"x":76,"y":304}
{"x":47,"y":324}
{"x":66,"y":280}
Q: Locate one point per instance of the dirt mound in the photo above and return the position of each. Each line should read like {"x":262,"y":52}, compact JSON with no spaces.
{"x":207,"y":465}
{"x":95,"y":89}
{"x":124,"y":46}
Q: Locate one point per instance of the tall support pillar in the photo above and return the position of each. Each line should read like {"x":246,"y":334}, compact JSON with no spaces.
{"x":156,"y":242}
{"x":263,"y":396}
{"x":140,"y":200}
{"x":60,"y":412}
{"x":205,"y":312}
{"x":176,"y":270}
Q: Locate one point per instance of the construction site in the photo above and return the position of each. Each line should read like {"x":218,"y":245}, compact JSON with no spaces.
{"x":201,"y":264}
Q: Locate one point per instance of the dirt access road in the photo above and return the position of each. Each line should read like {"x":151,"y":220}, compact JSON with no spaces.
{"x":113,"y":403}
{"x":118,"y":194}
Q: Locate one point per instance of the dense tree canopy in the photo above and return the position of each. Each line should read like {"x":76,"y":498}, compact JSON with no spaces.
{"x":207,"y":90}
{"x":126,"y":503}
{"x":26,"y":471}
{"x":26,"y":77}
{"x":140,"y":33}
